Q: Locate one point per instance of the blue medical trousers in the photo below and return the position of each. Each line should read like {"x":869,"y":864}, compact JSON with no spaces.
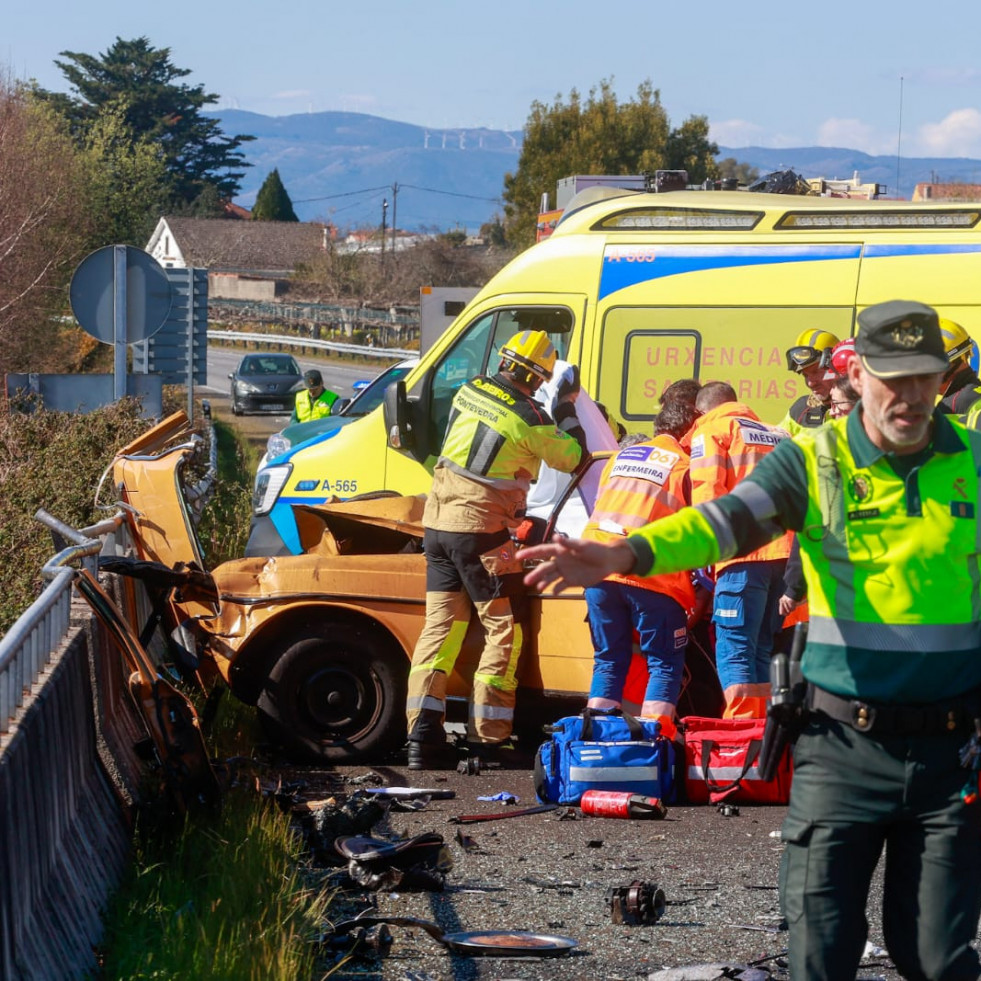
{"x":746,"y":616}
{"x":615,"y":610}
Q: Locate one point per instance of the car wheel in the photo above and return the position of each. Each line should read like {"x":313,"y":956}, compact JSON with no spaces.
{"x":236,"y":408}
{"x":335,"y":694}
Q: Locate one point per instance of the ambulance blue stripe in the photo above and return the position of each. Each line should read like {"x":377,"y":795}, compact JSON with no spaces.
{"x":283,"y":521}
{"x":673,"y":260}
{"x":880,"y":251}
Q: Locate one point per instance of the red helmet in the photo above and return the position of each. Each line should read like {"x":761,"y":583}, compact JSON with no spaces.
{"x":836,"y":358}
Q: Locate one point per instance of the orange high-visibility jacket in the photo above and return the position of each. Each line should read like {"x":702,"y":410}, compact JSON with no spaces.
{"x":726,"y":443}
{"x":640,"y":484}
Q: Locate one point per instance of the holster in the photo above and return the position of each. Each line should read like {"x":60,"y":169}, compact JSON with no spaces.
{"x":787,"y":714}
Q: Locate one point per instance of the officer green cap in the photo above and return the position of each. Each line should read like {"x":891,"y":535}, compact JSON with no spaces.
{"x":900,"y":337}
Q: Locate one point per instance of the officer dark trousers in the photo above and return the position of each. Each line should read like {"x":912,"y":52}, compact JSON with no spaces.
{"x":910,"y":805}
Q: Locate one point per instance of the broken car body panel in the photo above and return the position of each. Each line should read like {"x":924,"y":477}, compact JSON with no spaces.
{"x":322,"y":641}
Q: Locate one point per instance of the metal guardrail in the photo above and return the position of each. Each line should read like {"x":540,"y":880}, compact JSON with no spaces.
{"x":29,"y":645}
{"x":27,"y":648}
{"x":394,"y":353}
{"x":318,"y":312}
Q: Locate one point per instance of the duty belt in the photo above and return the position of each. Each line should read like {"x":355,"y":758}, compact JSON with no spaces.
{"x":934,"y":719}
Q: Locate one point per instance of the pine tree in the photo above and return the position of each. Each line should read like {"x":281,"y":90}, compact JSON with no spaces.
{"x":140,"y":82}
{"x":272,"y":203}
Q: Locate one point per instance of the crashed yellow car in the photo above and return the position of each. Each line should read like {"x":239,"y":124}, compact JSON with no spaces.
{"x":321,"y":642}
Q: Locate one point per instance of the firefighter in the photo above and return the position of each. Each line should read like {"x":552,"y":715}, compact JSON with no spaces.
{"x":314,"y":401}
{"x":804,"y":358}
{"x":961,"y":387}
{"x":640,"y":484}
{"x":885,"y":500}
{"x":727,"y":442}
{"x":496,"y":438}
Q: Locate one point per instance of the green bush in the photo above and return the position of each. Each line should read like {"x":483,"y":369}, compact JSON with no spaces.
{"x":51,"y":460}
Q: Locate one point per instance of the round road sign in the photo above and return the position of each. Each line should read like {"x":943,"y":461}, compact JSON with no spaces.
{"x":93,"y":290}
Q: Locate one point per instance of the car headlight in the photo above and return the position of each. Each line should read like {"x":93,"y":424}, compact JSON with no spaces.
{"x":247,"y":388}
{"x":268,"y":483}
{"x":299,"y":386}
{"x":277,"y":445}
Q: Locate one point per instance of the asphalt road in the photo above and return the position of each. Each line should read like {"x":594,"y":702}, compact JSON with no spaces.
{"x":552,"y":873}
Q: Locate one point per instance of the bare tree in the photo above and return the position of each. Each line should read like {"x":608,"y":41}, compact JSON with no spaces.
{"x":43,"y":227}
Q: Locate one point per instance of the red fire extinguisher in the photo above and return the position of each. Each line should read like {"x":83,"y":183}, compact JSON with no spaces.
{"x":622,"y":804}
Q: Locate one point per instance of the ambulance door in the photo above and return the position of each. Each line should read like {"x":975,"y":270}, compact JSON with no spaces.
{"x":561,"y":652}
{"x":474,"y":350}
{"x":644,"y":349}
{"x":717,"y":307}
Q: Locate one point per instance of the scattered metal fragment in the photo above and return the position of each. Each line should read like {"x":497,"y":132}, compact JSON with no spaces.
{"x":551,"y":883}
{"x":467,"y":843}
{"x":636,"y":903}
{"x":728,"y":810}
{"x":421,"y":862}
{"x":711,"y":972}
{"x":370,"y":778}
{"x":497,"y":815}
{"x":594,"y":843}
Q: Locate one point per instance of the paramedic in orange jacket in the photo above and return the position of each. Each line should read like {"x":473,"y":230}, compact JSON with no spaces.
{"x":726,"y":444}
{"x":643,"y":482}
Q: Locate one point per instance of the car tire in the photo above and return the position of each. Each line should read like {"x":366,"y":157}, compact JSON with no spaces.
{"x":236,"y":408}
{"x":336,"y":694}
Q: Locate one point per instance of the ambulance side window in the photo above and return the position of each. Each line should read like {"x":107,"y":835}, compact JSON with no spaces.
{"x":466,"y":359}
{"x":476,"y":352}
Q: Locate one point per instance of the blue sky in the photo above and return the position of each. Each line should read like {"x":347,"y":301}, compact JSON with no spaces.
{"x":765,"y":74}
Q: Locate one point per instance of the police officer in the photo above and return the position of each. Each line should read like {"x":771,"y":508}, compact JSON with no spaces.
{"x":314,"y":401}
{"x":496,"y":439}
{"x":961,"y":387}
{"x":885,"y":501}
{"x":804,"y":359}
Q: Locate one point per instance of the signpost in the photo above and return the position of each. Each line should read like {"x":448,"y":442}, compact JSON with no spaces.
{"x":120,"y":295}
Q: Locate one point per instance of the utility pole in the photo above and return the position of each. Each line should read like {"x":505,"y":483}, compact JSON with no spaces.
{"x":384,"y":213}
{"x":395,"y":201}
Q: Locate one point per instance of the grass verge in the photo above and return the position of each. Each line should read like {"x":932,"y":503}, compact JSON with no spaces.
{"x":223,"y":899}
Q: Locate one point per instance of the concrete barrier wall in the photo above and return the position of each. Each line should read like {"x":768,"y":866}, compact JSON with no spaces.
{"x":68,"y":780}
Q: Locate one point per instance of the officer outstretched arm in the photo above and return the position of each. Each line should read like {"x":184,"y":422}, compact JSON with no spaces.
{"x":576,"y":562}
{"x":760,"y":509}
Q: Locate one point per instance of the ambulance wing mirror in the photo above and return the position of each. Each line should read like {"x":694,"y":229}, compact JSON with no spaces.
{"x":398,"y":425}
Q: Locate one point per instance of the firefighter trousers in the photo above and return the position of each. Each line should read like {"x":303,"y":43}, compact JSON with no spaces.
{"x":465,"y":573}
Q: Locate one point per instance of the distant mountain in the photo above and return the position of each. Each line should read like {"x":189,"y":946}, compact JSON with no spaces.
{"x":340,"y":165}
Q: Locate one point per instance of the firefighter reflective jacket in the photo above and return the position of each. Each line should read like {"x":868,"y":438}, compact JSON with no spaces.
{"x":808,"y":412}
{"x":640,"y":484}
{"x":891,"y":549}
{"x":963,"y":393}
{"x":496,"y":440}
{"x":727,"y":442}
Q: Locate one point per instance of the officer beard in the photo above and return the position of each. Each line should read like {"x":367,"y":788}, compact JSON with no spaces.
{"x":899,"y":433}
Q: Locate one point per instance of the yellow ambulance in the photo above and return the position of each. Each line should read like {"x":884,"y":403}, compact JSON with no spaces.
{"x":641,"y":289}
